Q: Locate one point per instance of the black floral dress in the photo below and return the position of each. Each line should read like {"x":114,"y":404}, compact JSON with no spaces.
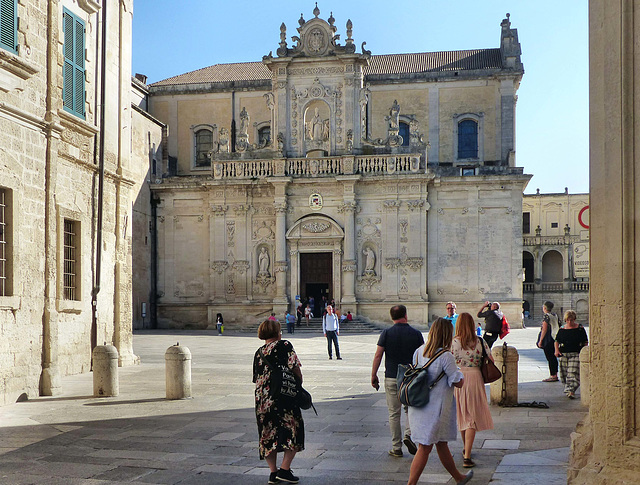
{"x":280,"y":427}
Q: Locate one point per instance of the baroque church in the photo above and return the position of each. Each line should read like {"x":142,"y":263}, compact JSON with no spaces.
{"x":328,"y":170}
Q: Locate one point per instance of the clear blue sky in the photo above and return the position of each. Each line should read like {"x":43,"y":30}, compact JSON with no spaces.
{"x":172,"y":37}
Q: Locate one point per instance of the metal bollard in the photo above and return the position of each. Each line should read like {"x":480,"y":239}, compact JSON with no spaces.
{"x":178,"y":372}
{"x":105,"y":371}
{"x":504,"y":391}
{"x":585,"y":369}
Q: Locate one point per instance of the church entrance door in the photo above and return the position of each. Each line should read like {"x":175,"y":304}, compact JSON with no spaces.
{"x":316,"y":278}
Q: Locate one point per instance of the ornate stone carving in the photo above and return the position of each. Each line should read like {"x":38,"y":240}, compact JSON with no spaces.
{"x":280,"y":207}
{"x":391,"y":205}
{"x":369,"y":228}
{"x":404,"y":286}
{"x":241,"y":210}
{"x":349,"y":266}
{"x":440,"y":211}
{"x":231,"y":231}
{"x":348,"y":206}
{"x":219,"y":210}
{"x":161,"y":219}
{"x":262,"y":231}
{"x":219,"y":266}
{"x":369,"y":280}
{"x":315,"y":226}
{"x":240,"y":267}
{"x":403,"y":225}
{"x":281,"y":267}
{"x":414,"y":205}
{"x":465,"y":210}
{"x":264,"y":282}
{"x":231,"y":288}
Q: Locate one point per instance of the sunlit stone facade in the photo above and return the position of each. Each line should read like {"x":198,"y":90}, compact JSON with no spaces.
{"x":371,"y":179}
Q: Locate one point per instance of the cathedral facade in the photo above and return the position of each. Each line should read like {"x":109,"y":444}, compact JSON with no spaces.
{"x":324,"y":171}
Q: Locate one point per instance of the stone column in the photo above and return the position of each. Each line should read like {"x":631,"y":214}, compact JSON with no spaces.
{"x":349,"y":208}
{"x":507,"y":115}
{"x":219,"y":262}
{"x":281,"y":266}
{"x":604,"y":448}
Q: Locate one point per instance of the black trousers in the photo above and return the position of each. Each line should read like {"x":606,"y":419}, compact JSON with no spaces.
{"x":550,"y":354}
{"x":332,"y":336}
{"x":490,"y":338}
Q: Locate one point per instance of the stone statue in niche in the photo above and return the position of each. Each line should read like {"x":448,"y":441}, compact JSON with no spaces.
{"x":317,"y":128}
{"x":369,"y":261}
{"x":263,"y":263}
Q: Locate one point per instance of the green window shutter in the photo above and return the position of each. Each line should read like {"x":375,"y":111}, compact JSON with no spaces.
{"x":9,"y":25}
{"x":73,"y":88}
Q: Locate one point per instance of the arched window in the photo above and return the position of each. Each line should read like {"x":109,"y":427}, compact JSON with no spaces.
{"x":404,"y":133}
{"x":264,"y":136}
{"x":204,"y":144}
{"x":527,"y":264}
{"x":467,"y":139}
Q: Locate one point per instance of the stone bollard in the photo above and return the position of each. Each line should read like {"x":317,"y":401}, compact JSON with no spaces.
{"x":585,"y":369}
{"x":178,"y":372}
{"x":105,"y":371}
{"x":510,"y":376}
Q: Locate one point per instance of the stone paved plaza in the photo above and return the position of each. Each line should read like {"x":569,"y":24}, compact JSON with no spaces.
{"x":139,"y":437}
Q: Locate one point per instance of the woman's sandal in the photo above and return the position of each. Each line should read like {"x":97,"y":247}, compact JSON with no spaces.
{"x":468,"y":463}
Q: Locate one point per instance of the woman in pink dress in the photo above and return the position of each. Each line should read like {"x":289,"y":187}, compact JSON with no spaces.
{"x":472,"y":409}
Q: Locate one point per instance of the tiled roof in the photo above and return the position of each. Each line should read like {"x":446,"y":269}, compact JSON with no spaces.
{"x":378,"y":65}
{"x":434,"y":62}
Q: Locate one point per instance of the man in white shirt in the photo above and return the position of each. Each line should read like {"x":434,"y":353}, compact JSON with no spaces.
{"x":331,"y":330}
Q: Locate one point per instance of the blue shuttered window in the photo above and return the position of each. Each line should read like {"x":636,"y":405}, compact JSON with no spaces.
{"x":467,"y":139}
{"x":9,"y":25}
{"x":73,"y":76}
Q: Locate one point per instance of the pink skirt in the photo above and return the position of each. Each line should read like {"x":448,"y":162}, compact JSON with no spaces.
{"x":471,"y":402}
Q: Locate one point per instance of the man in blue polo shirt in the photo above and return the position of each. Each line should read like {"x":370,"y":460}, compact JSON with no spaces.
{"x":397,"y":343}
{"x":452,"y":316}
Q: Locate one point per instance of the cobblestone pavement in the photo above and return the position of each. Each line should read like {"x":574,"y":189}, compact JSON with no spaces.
{"x":139,"y":437}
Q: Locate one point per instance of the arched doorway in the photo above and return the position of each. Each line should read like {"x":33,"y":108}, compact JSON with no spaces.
{"x":315,"y":248}
{"x":552,"y":267}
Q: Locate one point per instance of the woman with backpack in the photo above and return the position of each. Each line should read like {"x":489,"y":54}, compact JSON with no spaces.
{"x":435,"y":423}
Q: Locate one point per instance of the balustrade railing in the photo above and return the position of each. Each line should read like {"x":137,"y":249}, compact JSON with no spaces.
{"x":318,"y":167}
{"x":528,"y":287}
{"x":580,"y":286}
{"x":551,"y":286}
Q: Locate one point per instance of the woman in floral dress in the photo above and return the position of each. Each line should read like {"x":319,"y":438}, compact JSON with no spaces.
{"x":472,"y":409}
{"x":280,"y":424}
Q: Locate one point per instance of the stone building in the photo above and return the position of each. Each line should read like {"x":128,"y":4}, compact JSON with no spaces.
{"x":606,"y":446}
{"x":328,"y":171}
{"x":555,"y":256}
{"x":68,"y":179}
